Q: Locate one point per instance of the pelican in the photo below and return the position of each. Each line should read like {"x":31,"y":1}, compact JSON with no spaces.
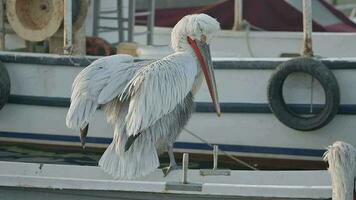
{"x":341,"y":158}
{"x":148,"y":103}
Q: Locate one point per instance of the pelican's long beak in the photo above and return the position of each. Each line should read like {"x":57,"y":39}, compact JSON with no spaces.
{"x":202,"y":52}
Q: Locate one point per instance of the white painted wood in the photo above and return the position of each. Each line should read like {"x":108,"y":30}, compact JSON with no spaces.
{"x":277,"y":184}
{"x":233,"y":129}
{"x":39,"y":80}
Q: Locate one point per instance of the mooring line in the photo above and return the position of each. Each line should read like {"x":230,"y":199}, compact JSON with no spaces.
{"x":223,"y":152}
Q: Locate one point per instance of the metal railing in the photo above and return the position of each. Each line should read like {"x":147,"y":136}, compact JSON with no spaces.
{"x":348,"y":7}
{"x":122,"y":20}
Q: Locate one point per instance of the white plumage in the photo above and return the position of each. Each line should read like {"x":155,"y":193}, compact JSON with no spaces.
{"x":150,"y":101}
{"x":104,"y":79}
{"x":153,"y":90}
{"x":341,"y":157}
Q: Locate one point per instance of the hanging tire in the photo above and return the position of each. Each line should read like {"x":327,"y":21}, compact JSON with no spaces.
{"x":327,"y":80}
{"x":4,"y":85}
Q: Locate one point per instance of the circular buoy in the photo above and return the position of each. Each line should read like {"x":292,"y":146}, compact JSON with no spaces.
{"x":327,"y":80}
{"x":35,"y":20}
{"x":4,"y":85}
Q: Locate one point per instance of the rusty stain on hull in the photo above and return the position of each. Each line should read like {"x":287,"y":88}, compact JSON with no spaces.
{"x":308,"y":46}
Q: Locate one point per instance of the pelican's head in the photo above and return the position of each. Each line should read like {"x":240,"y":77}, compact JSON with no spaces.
{"x":193,"y":33}
{"x":199,"y":27}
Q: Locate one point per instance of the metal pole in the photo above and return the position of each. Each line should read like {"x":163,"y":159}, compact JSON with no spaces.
{"x":2,"y":26}
{"x":120,"y":21}
{"x":307,"y":28}
{"x":215,"y":154}
{"x":185,"y":168}
{"x":68,"y":35}
{"x":132,"y":9}
{"x":237,"y":15}
{"x":150,"y":22}
{"x":307,"y":39}
{"x":96,"y":16}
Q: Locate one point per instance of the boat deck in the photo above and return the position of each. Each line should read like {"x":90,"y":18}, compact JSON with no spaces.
{"x":48,"y":181}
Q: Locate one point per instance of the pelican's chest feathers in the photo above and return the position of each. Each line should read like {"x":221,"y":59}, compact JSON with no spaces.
{"x":179,"y":65}
{"x":189,"y":62}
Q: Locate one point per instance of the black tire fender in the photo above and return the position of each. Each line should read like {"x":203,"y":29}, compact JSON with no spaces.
{"x":4,"y":85}
{"x":327,"y":80}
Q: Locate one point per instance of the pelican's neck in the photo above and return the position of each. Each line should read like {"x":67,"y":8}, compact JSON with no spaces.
{"x":199,"y":77}
{"x":188,"y":56}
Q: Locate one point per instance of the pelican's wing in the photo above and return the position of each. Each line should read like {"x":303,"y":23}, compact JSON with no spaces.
{"x":156,"y":89}
{"x":97,"y":84}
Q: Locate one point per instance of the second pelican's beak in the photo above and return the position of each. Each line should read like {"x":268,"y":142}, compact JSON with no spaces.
{"x":202,"y":51}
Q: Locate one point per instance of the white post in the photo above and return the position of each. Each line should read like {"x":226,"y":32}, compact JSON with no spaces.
{"x":237,"y":14}
{"x":307,"y":28}
{"x":68,"y":34}
{"x":215,"y":155}
{"x":151,"y":21}
{"x":185,"y":168}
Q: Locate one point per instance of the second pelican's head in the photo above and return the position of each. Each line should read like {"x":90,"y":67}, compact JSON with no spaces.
{"x":193,"y":33}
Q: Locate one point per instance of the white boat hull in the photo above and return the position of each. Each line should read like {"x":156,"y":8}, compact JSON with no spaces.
{"x":40,"y":88}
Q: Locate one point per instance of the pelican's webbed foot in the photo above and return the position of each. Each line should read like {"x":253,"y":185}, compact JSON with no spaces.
{"x":167,"y":170}
{"x":172,"y":162}
{"x":83,"y":135}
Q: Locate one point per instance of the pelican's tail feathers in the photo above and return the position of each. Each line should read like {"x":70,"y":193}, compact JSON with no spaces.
{"x":140,"y":160}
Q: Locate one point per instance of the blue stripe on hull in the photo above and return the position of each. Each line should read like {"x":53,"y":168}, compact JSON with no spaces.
{"x":239,"y":64}
{"x":179,"y":145}
{"x":205,"y":107}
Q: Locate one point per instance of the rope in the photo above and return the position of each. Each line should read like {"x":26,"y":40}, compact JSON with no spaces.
{"x":247,"y":27}
{"x":223,"y":152}
{"x":248,"y":42}
{"x":71,"y":50}
{"x":311,"y":93}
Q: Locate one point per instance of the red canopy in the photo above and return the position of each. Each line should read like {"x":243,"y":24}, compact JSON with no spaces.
{"x":269,"y":15}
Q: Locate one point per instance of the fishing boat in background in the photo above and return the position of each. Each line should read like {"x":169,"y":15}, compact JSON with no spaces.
{"x":41,"y":86}
{"x":40,"y":90}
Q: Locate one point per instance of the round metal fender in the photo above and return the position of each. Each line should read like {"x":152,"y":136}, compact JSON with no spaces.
{"x":39,"y":20}
{"x":4,"y":85}
{"x":327,"y":80}
{"x":35,"y":20}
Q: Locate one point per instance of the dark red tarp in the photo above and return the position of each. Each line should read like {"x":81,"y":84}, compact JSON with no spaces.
{"x":270,"y":15}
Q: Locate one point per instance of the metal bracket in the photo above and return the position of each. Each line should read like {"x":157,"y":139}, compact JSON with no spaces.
{"x":184,"y":185}
{"x":215,"y":171}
